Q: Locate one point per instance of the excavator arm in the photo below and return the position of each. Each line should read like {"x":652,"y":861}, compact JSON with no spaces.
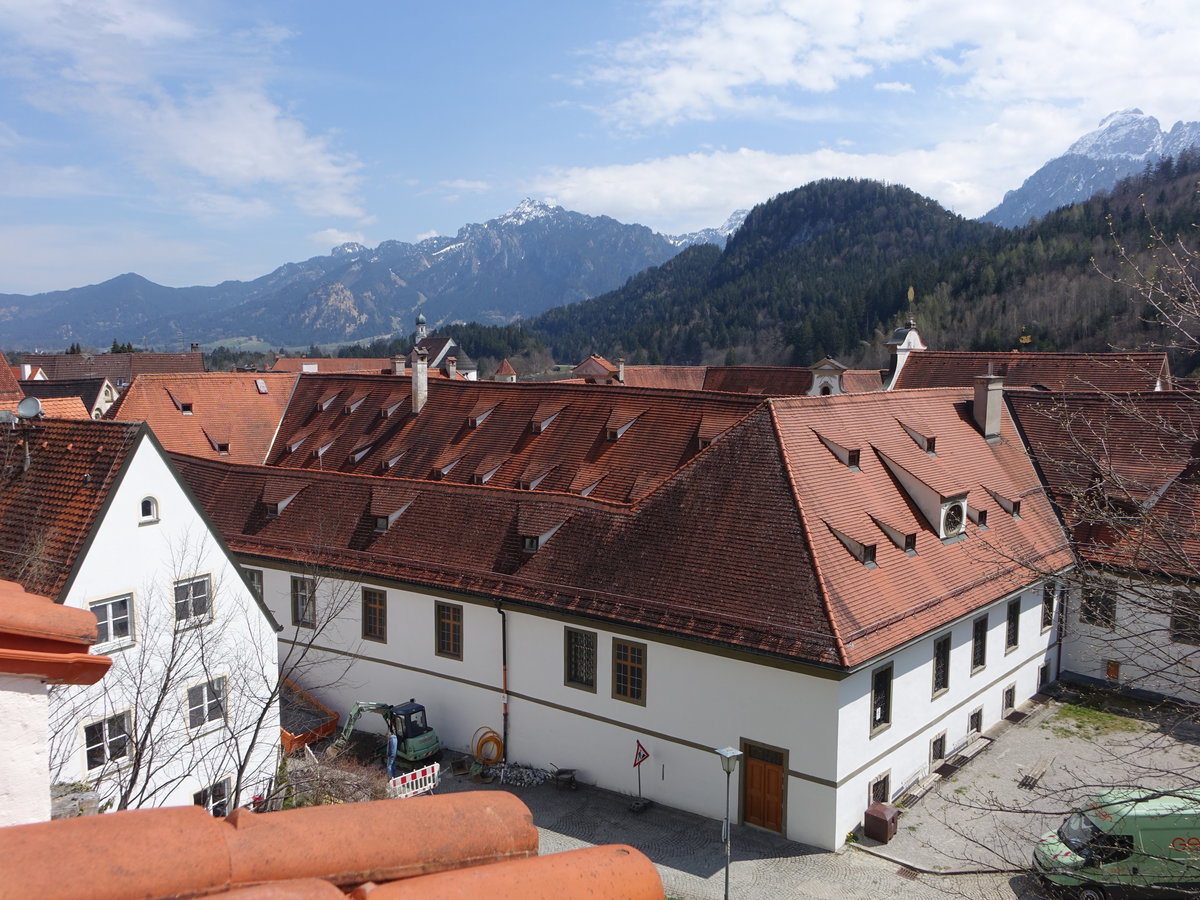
{"x":359,"y":707}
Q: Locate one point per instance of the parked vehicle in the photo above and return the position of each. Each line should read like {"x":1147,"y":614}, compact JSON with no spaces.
{"x":1125,"y":843}
{"x":414,"y":740}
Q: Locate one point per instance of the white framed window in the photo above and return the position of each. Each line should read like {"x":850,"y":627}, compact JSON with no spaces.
{"x":304,"y":602}
{"x":149,"y":511}
{"x":114,"y":620}
{"x":206,"y":703}
{"x":215,"y":797}
{"x":193,"y":601}
{"x":107,"y":740}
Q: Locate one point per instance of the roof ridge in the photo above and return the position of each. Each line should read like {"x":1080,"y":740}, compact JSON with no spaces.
{"x":826,"y":606}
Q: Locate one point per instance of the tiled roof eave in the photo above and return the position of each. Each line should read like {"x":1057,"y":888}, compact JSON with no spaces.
{"x":671,"y":619}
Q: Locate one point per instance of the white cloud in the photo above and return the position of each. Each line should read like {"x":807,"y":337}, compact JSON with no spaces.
{"x":895,"y":87}
{"x":188,"y":104}
{"x":711,"y":58}
{"x":424,"y":235}
{"x":682,"y":193}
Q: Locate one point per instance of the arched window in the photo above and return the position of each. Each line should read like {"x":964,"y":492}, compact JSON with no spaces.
{"x":825,"y":390}
{"x":149,"y":509}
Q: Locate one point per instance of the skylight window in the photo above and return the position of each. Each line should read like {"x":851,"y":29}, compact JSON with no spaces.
{"x":261,"y":385}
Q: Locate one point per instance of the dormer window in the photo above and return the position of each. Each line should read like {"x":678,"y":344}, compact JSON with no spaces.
{"x":185,"y":408}
{"x":149,"y":511}
{"x":619,"y":422}
{"x":443,"y":471}
{"x":358,"y":453}
{"x":921,"y":437}
{"x":381,"y":524}
{"x":390,"y":463}
{"x":864,"y":553}
{"x":387,"y":411}
{"x":530,"y":482}
{"x":479,"y":415}
{"x":544,"y":416}
{"x":354,"y":403}
{"x":1012,"y":507}
{"x":320,"y":451}
{"x":978,"y":516}
{"x":847,"y":455}
{"x":904,"y":540}
{"x":530,"y":544}
{"x":325,"y":402}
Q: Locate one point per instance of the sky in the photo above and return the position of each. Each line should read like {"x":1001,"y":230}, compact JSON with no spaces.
{"x":218,"y":139}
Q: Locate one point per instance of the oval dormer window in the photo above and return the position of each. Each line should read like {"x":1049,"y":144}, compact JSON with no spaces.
{"x":149,"y":509}
{"x":952,"y":520}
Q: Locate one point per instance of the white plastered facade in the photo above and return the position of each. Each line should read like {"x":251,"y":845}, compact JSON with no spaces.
{"x":142,"y":558}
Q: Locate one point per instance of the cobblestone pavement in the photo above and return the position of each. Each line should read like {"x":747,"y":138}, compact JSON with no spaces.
{"x":688,"y":852}
{"x":942,"y":842}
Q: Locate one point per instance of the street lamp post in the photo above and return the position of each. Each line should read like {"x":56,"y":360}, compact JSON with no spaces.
{"x":729,"y":761}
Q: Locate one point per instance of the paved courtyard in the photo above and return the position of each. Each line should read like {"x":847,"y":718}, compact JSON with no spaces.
{"x":968,"y":838}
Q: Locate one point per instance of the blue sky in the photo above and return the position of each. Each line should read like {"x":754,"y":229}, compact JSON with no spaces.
{"x":201,"y":141}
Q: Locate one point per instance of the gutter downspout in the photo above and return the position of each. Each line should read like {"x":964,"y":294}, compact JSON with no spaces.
{"x":503,"y":676}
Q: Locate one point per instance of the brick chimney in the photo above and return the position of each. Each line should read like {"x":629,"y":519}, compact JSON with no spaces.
{"x":989,"y":397}
{"x":621,"y":371}
{"x":451,"y":367}
{"x":398,"y":364}
{"x":420,"y":379}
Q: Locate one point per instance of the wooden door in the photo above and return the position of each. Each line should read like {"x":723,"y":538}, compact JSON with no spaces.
{"x":762,"y":795}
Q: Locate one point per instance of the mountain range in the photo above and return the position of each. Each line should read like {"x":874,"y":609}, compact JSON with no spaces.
{"x":1125,"y":143}
{"x":526,"y":265}
{"x":530,"y":259}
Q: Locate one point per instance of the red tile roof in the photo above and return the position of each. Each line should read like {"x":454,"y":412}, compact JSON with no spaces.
{"x":875,"y":609}
{"x":767,"y":381}
{"x":227,"y":409}
{"x":10,"y":388}
{"x":662,"y":432}
{"x":55,"y":407}
{"x":119,"y":367}
{"x":463,"y":845}
{"x":1050,"y":371}
{"x":298,"y":364}
{"x":55,"y":481}
{"x":1124,"y":470}
{"x":734,"y":544}
{"x":505,"y":368}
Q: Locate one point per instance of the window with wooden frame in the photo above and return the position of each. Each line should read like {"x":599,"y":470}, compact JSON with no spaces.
{"x":881,"y":698}
{"x":1012,"y":625}
{"x":941,"y":665}
{"x":579,"y":659}
{"x":979,"y":630}
{"x":304,"y":602}
{"x":1049,"y":604}
{"x":374,"y":615}
{"x":1185,"y":621}
{"x":1098,"y":608}
{"x":255,"y":579}
{"x":449,"y":636}
{"x":629,"y":671}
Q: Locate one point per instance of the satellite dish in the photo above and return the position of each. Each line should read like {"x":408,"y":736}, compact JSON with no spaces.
{"x":30,"y":408}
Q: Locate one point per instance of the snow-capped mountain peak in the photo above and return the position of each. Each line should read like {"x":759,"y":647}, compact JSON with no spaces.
{"x":1125,"y":134}
{"x":350,"y":248}
{"x":524,"y":212}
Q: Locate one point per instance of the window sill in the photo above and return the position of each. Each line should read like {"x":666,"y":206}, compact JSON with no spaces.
{"x":880,"y":729}
{"x":590,"y":688}
{"x":193,"y":623}
{"x":456,"y":658}
{"x":113,"y":646}
{"x":975,"y":670}
{"x":635,"y":701}
{"x":373,"y":639}
{"x":1008,"y":650}
{"x":206,"y":729}
{"x":940,"y":692}
{"x":148,"y":522}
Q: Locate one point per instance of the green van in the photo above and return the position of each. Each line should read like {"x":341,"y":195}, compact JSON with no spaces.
{"x":1125,"y":843}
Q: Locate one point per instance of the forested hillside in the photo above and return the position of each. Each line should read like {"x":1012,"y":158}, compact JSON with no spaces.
{"x":826,"y":269}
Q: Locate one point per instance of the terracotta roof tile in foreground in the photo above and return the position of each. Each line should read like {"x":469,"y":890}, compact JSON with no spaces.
{"x":1122,"y":371}
{"x":56,"y":478}
{"x":210,"y":414}
{"x":40,"y":638}
{"x":483,"y":843}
